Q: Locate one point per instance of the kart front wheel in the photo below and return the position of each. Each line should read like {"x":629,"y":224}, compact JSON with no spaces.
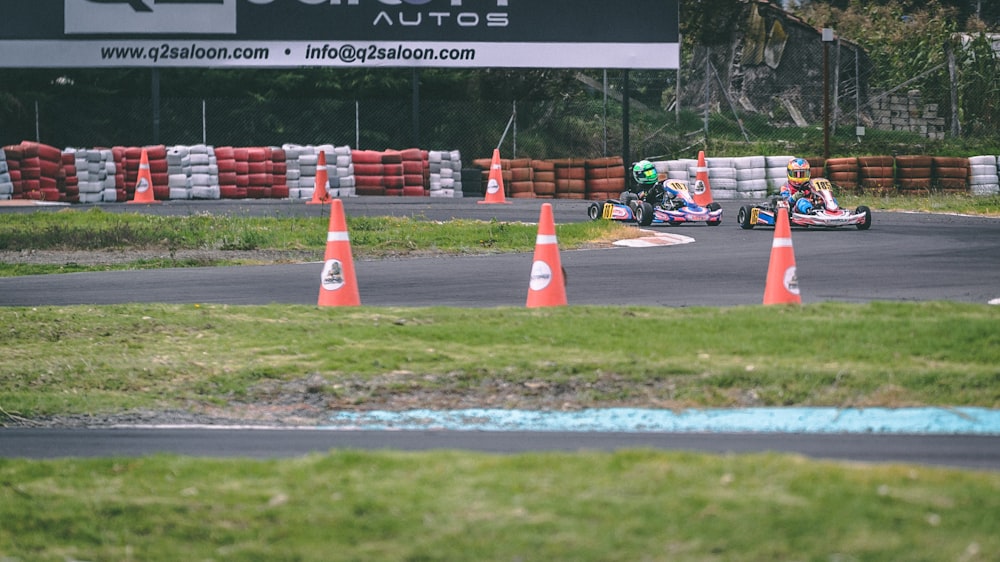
{"x":743,"y":217}
{"x":868,"y":217}
{"x":643,"y":213}
{"x":594,"y":211}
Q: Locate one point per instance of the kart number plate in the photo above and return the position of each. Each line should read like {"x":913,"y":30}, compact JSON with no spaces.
{"x":754,"y":215}
{"x":608,"y":212}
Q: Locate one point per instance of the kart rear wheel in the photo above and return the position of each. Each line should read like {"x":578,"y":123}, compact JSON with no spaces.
{"x":643,"y":213}
{"x":743,"y":217}
{"x":868,"y":217}
{"x":594,"y":211}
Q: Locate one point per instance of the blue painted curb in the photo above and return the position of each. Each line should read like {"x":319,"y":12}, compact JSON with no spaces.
{"x":635,"y":420}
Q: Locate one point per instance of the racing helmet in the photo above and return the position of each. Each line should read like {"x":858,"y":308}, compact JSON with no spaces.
{"x":798,"y":171}
{"x":644,"y":172}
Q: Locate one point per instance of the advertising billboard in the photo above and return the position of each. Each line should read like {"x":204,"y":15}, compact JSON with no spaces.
{"x":632,"y":34}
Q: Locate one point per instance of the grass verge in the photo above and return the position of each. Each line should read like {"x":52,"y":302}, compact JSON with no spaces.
{"x":95,"y":230}
{"x":627,"y":505}
{"x":83,"y":359}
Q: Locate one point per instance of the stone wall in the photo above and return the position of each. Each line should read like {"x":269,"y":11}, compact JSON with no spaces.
{"x":907,"y":113}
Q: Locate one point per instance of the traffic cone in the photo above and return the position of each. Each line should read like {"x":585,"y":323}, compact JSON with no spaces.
{"x":782,"y":283}
{"x":702,"y":192}
{"x":494,"y":185}
{"x":320,"y":193}
{"x":144,"y":183}
{"x":338,"y":285}
{"x":547,"y":286}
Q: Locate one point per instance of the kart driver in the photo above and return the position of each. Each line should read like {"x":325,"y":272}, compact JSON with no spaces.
{"x":649,"y":188}
{"x":797,"y":190}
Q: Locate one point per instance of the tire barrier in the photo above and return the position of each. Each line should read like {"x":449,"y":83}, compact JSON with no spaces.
{"x":6,"y":183}
{"x":751,"y":177}
{"x":444,"y":173}
{"x":950,"y":173}
{"x":983,"y":175}
{"x":914,"y":174}
{"x":843,"y":173}
{"x":35,"y":171}
{"x":777,"y":171}
{"x":876,"y":174}
{"x":604,"y":177}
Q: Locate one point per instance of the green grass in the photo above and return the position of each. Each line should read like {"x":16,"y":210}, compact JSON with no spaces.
{"x":934,"y":203}
{"x":371,"y":237}
{"x":628,"y":505}
{"x":115,"y":358}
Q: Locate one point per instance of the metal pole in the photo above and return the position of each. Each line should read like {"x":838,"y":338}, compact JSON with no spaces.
{"x":415,"y":79}
{"x":827,"y":38}
{"x":514,"y":135}
{"x":357,"y":125}
{"x":605,"y":112}
{"x":38,"y":128}
{"x":155,"y":86}
{"x":204,"y":123}
{"x":708,"y":88}
{"x":626,"y":94}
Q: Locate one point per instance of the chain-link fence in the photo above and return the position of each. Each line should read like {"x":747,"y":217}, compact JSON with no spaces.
{"x":724,"y":100}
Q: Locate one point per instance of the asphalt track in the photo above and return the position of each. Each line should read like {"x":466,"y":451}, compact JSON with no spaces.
{"x":903,"y":257}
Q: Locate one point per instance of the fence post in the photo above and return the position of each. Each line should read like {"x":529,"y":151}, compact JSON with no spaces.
{"x":38,"y":127}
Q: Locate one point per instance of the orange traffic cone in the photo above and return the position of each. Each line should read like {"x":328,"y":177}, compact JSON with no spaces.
{"x":320,"y":193}
{"x":338,"y":285}
{"x":494,"y":185}
{"x":144,"y":183}
{"x":782,"y":283}
{"x":702,"y":191}
{"x":547,"y":286}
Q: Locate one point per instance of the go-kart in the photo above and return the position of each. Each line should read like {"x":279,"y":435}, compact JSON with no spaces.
{"x":826,"y":212}
{"x":655,"y":207}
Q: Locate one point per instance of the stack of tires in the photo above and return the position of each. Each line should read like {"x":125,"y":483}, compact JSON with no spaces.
{"x":983,"y":176}
{"x":544,"y":178}
{"x":279,"y":175}
{"x":571,"y":178}
{"x":68,"y":183}
{"x":225,"y":161}
{"x":368,"y":172}
{"x":157,"y":157}
{"x":914,"y":174}
{"x":260,"y":169}
{"x":341,"y":167}
{"x":605,"y":177}
{"x":678,"y":169}
{"x":6,"y":184}
{"x":817,"y":166}
{"x":179,"y":172}
{"x":876,"y":174}
{"x":950,"y":174}
{"x":445,"y":173}
{"x":415,"y":163}
{"x":777,"y":172}
{"x":90,"y":172}
{"x":522,"y":179}
{"x":205,"y":172}
{"x":843,"y":173}
{"x":751,"y":177}
{"x":392,"y":172}
{"x":12,"y":158}
{"x":722,"y":178}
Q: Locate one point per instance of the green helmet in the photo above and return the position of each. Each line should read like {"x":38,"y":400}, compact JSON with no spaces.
{"x":644,"y":172}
